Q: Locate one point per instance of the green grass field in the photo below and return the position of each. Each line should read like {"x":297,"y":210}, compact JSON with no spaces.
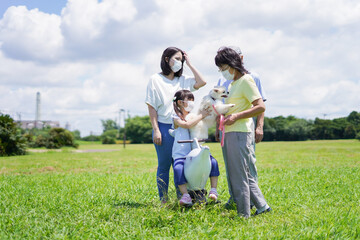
{"x":313,"y":188}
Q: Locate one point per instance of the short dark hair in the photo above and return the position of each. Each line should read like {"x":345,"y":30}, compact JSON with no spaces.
{"x":226,"y":55}
{"x":181,"y":95}
{"x":168,"y":53}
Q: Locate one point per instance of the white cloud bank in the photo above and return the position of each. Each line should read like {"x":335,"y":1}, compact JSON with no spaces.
{"x":96,"y":57}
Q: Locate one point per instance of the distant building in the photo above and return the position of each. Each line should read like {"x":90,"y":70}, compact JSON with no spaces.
{"x":67,"y":126}
{"x":30,"y":124}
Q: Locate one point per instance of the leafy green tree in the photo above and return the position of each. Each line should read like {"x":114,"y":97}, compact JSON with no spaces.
{"x":11,"y":141}
{"x":109,"y":124}
{"x":139,"y":129}
{"x":350,"y":132}
{"x":76,"y":134}
{"x":269,"y":129}
{"x":354,"y":119}
{"x":322,"y":129}
{"x":358,"y":136}
{"x":298,"y":130}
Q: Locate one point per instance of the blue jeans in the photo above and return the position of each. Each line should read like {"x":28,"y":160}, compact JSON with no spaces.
{"x":165,"y":161}
{"x":179,"y":176}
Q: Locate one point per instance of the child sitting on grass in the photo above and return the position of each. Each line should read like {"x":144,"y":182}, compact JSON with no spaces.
{"x":183,"y":103}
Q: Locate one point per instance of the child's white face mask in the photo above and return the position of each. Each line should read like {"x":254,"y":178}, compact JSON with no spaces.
{"x":190,"y":106}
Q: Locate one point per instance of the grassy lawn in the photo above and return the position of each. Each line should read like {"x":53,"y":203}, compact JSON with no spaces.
{"x":313,"y":188}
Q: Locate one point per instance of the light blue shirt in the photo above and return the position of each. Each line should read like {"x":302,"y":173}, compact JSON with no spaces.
{"x":225,"y":83}
{"x":180,"y":150}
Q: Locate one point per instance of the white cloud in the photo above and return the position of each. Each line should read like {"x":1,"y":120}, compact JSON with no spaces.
{"x":97,"y":56}
{"x":30,"y":35}
{"x":88,"y":24}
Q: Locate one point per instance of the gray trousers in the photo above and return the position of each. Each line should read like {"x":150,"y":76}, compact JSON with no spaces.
{"x":238,"y":153}
{"x":252,"y":166}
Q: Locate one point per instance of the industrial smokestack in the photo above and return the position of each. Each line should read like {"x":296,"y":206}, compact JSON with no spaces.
{"x":38,"y":107}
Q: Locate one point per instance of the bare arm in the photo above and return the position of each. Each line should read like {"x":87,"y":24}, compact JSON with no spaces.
{"x":200,"y":81}
{"x":258,"y":108}
{"x":259,"y":132}
{"x":153,"y":118}
{"x":191,"y":122}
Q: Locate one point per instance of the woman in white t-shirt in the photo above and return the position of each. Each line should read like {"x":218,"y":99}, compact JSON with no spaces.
{"x":160,"y":92}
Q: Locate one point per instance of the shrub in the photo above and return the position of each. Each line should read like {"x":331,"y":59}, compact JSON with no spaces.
{"x":108,"y":140}
{"x":109,"y":136}
{"x":11,"y":141}
{"x":60,"y":137}
{"x":55,"y":138}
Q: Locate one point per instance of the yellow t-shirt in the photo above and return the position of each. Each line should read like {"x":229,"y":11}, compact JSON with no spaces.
{"x":242,"y":93}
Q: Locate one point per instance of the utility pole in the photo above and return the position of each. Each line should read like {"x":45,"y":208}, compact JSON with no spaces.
{"x":123,"y":114}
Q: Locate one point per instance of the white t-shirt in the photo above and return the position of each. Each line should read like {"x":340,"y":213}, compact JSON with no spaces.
{"x":160,"y":93}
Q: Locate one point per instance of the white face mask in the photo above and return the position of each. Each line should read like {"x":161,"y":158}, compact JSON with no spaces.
{"x":190,"y":106}
{"x":227,"y":75}
{"x":177,"y":66}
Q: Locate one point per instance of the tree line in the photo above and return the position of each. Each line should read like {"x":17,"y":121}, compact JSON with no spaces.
{"x":13,"y":140}
{"x":139,"y":130}
{"x":297,"y":129}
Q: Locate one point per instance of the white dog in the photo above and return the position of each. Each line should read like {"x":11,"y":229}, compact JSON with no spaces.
{"x":209,"y":102}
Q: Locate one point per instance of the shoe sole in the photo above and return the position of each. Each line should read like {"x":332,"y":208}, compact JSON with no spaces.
{"x":266,"y":211}
{"x":186,"y":204}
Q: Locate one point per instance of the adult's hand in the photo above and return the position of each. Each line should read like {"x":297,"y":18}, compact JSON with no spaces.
{"x":230,"y":119}
{"x":259,"y":135}
{"x":157,"y":137}
{"x":187,"y":60}
{"x":217,"y":135}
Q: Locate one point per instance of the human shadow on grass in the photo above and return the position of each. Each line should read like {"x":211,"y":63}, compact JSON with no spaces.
{"x":129,"y":204}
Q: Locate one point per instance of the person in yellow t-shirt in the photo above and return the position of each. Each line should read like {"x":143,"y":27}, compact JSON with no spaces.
{"x":238,"y":131}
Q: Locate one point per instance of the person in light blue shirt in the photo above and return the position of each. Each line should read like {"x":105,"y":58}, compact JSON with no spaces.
{"x":258,"y":124}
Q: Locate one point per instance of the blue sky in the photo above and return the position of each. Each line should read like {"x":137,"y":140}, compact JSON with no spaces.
{"x":88,"y":59}
{"x":48,"y":6}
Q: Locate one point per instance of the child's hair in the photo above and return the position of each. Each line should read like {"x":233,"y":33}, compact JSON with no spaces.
{"x":181,"y":95}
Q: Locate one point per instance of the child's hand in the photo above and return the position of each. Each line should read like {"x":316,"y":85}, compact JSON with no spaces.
{"x":205,"y":112}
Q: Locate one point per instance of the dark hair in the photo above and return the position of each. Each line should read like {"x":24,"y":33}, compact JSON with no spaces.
{"x":168,"y":53}
{"x":226,"y":55}
{"x":181,"y":95}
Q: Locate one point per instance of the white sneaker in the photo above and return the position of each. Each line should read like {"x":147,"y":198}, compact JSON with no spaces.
{"x":185,"y":200}
{"x":213,"y":195}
